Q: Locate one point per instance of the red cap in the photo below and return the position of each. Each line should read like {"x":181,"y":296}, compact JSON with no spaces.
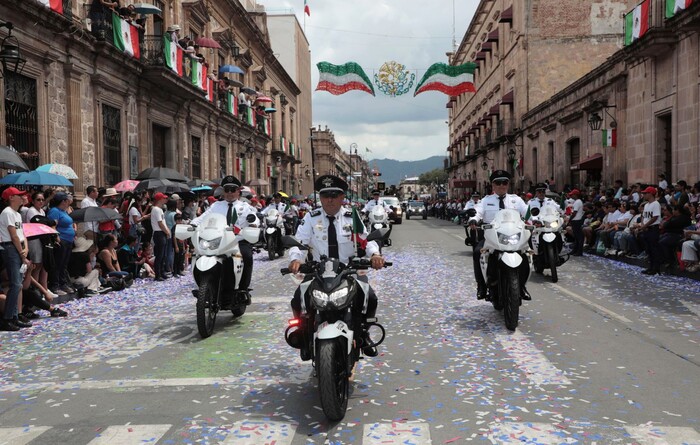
{"x":10,"y":192}
{"x":158,"y":196}
{"x":211,"y":199}
{"x":650,"y":189}
{"x":575,"y":192}
{"x":528,"y":195}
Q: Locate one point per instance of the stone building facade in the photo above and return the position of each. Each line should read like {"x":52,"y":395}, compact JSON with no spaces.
{"x":649,"y":89}
{"x":82,"y":102}
{"x":331,"y":159}
{"x":526,"y":51}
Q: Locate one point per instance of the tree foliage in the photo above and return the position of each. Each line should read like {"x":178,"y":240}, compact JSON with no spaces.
{"x":436,"y":176}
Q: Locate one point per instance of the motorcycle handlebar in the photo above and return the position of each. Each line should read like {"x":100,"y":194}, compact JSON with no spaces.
{"x":307,"y":268}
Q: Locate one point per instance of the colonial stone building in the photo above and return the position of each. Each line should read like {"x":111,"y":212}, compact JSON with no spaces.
{"x":526,"y":52}
{"x":648,"y":91}
{"x":82,"y":101}
{"x":331,"y":159}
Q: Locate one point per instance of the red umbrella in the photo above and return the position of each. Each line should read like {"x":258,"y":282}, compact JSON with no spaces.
{"x":36,"y":229}
{"x":263,"y":99}
{"x":126,"y":186}
{"x":206,"y":42}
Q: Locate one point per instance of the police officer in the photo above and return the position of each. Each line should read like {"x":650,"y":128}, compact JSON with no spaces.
{"x":540,"y":200}
{"x":486,"y":211}
{"x":277,"y":203}
{"x":473,"y":201}
{"x":375,"y":201}
{"x":237,"y":213}
{"x":328,"y":231}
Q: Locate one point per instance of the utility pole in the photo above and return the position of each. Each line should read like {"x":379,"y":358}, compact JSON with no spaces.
{"x":313,"y":165}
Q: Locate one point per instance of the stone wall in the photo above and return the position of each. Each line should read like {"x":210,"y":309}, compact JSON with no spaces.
{"x":57,"y":115}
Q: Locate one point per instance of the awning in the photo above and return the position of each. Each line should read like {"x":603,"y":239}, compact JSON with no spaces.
{"x":506,"y":16}
{"x":495,"y":110}
{"x":480,"y":55}
{"x":492,"y":36}
{"x":507,"y":99}
{"x":486,"y":46}
{"x":594,"y":162}
{"x":449,"y":104}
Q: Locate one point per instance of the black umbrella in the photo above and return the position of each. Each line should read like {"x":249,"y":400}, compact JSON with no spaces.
{"x":157,"y":184}
{"x":95,"y":214}
{"x":198,"y":183}
{"x":162,"y":173}
{"x":9,"y":159}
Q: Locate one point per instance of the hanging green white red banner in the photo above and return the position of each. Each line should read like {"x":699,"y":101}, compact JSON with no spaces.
{"x":637,"y":22}
{"x":610,"y":137}
{"x":394,"y":80}
{"x":126,"y":37}
{"x":673,"y":7}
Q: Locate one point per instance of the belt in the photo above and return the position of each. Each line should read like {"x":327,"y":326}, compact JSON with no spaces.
{"x":6,"y":243}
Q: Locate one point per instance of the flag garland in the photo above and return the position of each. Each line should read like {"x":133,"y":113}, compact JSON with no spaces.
{"x":339,"y":79}
{"x":452,"y":80}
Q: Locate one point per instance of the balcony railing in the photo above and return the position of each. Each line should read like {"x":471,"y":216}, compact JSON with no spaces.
{"x":68,"y":9}
{"x":505,"y":127}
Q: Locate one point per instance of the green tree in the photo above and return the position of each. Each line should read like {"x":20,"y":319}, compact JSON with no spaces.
{"x":436,"y":176}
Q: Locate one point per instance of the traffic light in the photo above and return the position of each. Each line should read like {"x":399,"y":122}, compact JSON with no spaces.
{"x":381,"y":185}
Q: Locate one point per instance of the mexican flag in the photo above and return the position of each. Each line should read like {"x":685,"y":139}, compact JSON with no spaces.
{"x":126,"y":37}
{"x":637,"y":22}
{"x":268,"y":126}
{"x":283,"y":144}
{"x":452,"y":80}
{"x":291,"y":149}
{"x":339,"y":79}
{"x":238,"y":164}
{"x":269,"y":171}
{"x":231,"y":104}
{"x":55,"y":5}
{"x":673,"y":7}
{"x":358,"y":230}
{"x":250,"y":116}
{"x":173,"y":56}
{"x":210,"y":89}
{"x":307,"y":11}
{"x":610,"y":137}
{"x":199,"y":74}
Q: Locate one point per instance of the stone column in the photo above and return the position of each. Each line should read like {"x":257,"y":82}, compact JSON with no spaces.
{"x":75,"y":125}
{"x":143,"y":133}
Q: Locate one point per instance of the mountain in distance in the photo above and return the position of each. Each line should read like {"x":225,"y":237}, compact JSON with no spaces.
{"x":393,"y":171}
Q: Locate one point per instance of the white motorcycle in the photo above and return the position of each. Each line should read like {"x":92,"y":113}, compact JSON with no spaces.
{"x":547,"y":240}
{"x":379,"y":219}
{"x":274,"y":231}
{"x":216,"y":255}
{"x":505,"y":263}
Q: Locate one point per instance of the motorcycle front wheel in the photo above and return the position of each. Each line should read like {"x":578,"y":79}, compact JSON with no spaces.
{"x":271,"y":247}
{"x":207,"y":306}
{"x":333,"y":378}
{"x":552,"y":258}
{"x":510,"y":290}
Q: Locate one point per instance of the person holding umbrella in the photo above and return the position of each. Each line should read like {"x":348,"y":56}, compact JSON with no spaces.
{"x":58,"y":283}
{"x":14,"y":256}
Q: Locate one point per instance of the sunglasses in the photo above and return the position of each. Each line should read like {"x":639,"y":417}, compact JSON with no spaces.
{"x":501,"y":182}
{"x":230,"y":188}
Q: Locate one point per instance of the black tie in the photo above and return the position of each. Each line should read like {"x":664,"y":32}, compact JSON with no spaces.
{"x":332,"y":239}
{"x":501,"y":204}
{"x":231,"y":216}
{"x":541,"y":202}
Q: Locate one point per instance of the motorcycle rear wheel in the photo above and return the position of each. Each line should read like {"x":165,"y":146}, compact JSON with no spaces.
{"x":510,"y":288}
{"x":553,"y":258}
{"x":271,"y":247}
{"x":206,"y":307}
{"x":333,"y":378}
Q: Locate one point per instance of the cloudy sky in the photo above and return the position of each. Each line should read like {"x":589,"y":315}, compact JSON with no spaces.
{"x":371,"y":32}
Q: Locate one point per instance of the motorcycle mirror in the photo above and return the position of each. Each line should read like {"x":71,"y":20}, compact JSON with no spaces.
{"x":535,"y":211}
{"x":471,"y":212}
{"x":251,"y":218}
{"x":377,"y":234}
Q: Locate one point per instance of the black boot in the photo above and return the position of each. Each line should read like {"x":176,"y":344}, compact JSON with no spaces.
{"x":481,"y":292}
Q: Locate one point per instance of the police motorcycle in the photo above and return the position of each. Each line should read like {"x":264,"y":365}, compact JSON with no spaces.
{"x":274,"y":231}
{"x":332,"y":328}
{"x":503,"y":260}
{"x":216,"y":255}
{"x":378,"y":218}
{"x":547,"y":240}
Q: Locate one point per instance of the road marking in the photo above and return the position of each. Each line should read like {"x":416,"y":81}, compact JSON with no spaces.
{"x":461,"y":238}
{"x":271,"y":300}
{"x":298,"y":376}
{"x":397,"y":433}
{"x":528,"y":358}
{"x":130,"y":434}
{"x":261,"y":433}
{"x":596,"y":306}
{"x":21,"y":435}
{"x":658,"y":435}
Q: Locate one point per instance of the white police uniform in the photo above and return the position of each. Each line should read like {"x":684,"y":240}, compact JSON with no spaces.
{"x":313,"y":232}
{"x":281,"y":207}
{"x":243,"y":209}
{"x":471,"y":204}
{"x":487,"y":208}
{"x":375,"y":202}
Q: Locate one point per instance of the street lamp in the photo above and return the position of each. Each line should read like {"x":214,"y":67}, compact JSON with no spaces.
{"x":595,"y":120}
{"x":10,"y":56}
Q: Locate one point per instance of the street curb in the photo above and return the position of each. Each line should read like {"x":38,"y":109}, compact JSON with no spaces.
{"x":643,"y":263}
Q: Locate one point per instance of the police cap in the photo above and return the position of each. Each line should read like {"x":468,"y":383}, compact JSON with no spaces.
{"x":375,"y":192}
{"x":331,"y":183}
{"x":230,"y":179}
{"x":499,"y":174}
{"x":541,"y":186}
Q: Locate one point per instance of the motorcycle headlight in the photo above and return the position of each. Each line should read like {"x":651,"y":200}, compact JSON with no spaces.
{"x":209,"y":244}
{"x":337,"y":298}
{"x":554,"y":224}
{"x":509,"y":239}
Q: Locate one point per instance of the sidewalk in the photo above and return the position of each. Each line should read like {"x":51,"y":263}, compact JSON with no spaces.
{"x":675,"y":271}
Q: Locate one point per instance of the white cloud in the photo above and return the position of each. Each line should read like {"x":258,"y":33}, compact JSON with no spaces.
{"x":371,"y":32}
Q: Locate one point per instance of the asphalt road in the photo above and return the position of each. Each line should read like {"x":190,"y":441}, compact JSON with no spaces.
{"x":605,"y":356}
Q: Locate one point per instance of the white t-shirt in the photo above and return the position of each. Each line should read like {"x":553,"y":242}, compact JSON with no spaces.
{"x":32,"y":212}
{"x":577,"y":210}
{"x":156,"y":217}
{"x":652,"y":209}
{"x":8,"y":218}
{"x":133,"y":213}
